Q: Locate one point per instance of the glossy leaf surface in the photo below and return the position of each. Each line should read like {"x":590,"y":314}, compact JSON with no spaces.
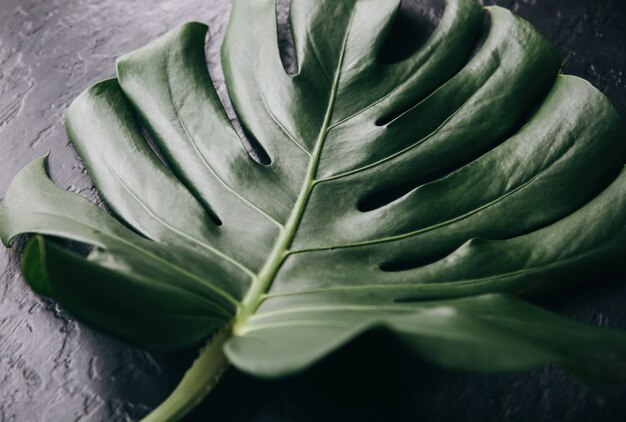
{"x":414,"y":195}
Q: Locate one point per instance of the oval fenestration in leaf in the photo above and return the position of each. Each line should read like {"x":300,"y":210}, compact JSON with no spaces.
{"x":414,"y":195}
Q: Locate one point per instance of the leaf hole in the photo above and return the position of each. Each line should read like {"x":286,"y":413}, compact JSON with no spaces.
{"x":82,"y":249}
{"x":154,"y":147}
{"x":286,"y":45}
{"x":405,"y":107}
{"x":388,"y":194}
{"x":408,"y":263}
{"x":253,"y":147}
{"x":413,"y":24}
{"x":151,"y":143}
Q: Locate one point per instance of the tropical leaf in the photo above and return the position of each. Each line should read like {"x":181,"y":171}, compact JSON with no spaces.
{"x":414,"y":195}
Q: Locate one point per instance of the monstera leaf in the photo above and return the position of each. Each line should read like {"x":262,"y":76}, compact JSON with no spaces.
{"x":414,"y":195}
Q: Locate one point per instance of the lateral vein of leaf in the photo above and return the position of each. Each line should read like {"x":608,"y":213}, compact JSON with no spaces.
{"x":293,"y":323}
{"x":443,"y":223}
{"x":157,"y":258}
{"x":179,"y":232}
{"x":278,"y":122}
{"x":183,"y":292}
{"x":188,"y":237}
{"x":261,"y":285}
{"x":203,"y":159}
{"x":413,"y":145}
{"x":433,"y":286}
{"x":351,"y":308}
{"x":384,"y":97}
{"x":317,"y":57}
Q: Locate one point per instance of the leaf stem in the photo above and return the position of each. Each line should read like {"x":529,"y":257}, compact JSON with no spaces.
{"x":198,"y":381}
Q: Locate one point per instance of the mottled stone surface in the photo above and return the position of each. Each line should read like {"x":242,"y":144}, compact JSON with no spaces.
{"x":54,"y":369}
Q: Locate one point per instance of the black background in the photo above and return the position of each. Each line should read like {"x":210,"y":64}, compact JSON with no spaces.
{"x":54,"y":369}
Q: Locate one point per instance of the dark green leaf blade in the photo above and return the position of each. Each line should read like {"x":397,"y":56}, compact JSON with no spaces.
{"x":147,"y":313}
{"x":488,"y":333}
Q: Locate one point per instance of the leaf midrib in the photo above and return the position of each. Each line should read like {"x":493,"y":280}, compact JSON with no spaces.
{"x":261,"y":284}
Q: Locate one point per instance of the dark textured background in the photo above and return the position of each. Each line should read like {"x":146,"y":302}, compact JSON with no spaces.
{"x":54,"y":369}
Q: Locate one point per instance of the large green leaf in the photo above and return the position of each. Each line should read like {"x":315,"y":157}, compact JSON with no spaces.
{"x":414,"y":195}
